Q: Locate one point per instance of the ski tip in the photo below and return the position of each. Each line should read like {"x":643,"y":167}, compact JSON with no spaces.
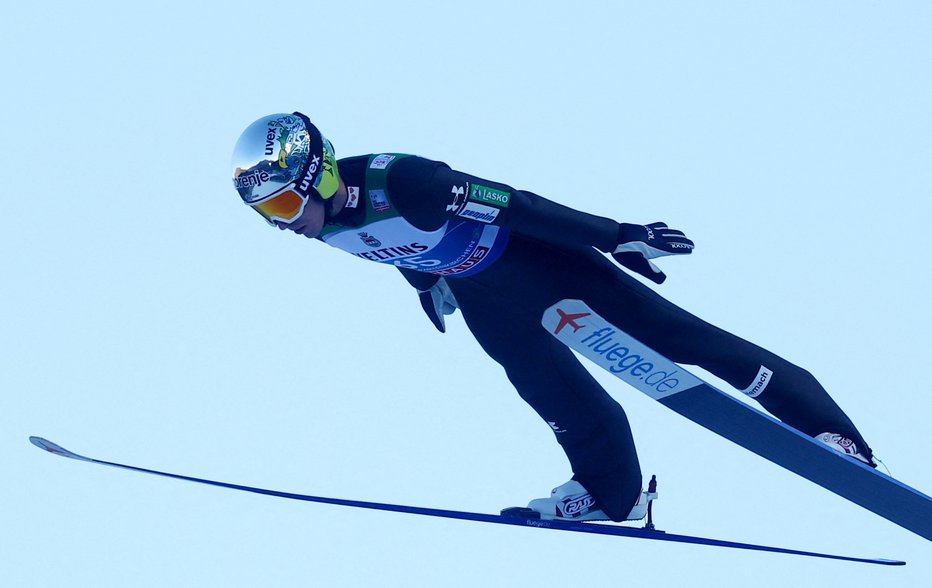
{"x":53,"y":448}
{"x":890,"y":562}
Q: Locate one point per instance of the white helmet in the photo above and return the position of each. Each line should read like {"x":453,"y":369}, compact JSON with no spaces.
{"x":279,"y":162}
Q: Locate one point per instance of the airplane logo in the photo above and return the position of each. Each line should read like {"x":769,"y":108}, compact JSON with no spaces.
{"x":569,"y":319}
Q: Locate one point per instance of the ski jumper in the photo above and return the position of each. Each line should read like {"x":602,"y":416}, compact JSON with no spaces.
{"x":507,"y":256}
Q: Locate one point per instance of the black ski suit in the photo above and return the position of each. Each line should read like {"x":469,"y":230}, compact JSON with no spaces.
{"x":553,"y":253}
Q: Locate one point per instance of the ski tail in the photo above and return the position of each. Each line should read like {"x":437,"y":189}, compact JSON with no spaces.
{"x":593,"y":528}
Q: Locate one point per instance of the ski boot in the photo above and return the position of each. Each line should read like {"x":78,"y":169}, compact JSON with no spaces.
{"x":572,"y":502}
{"x":846,"y":446}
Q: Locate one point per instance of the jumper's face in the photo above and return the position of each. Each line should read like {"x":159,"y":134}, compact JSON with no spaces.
{"x":310,"y":222}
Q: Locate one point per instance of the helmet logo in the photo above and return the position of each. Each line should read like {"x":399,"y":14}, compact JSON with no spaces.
{"x":251,"y":179}
{"x":276,"y":132}
{"x":270,"y":139}
{"x":306,"y":183}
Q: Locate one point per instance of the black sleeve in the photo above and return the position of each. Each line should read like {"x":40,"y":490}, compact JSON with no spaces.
{"x":428,"y":193}
{"x":420,"y":280}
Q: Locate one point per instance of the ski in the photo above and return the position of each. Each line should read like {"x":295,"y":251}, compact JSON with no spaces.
{"x":594,"y":528}
{"x":581,"y":329}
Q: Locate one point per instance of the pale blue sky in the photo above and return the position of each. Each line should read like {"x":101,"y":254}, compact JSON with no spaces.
{"x":791,"y":140}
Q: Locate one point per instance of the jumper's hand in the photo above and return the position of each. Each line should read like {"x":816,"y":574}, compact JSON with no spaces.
{"x":438,"y":301}
{"x":638,"y":244}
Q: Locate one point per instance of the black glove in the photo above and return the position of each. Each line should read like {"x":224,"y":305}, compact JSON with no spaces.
{"x":638,"y":244}
{"x":438,"y":301}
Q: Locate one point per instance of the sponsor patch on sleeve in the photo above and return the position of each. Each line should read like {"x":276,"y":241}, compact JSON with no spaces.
{"x":458,"y":197}
{"x":379,"y":200}
{"x":487,"y":195}
{"x":479,"y":212}
{"x":352,"y":196}
{"x":381,"y":161}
